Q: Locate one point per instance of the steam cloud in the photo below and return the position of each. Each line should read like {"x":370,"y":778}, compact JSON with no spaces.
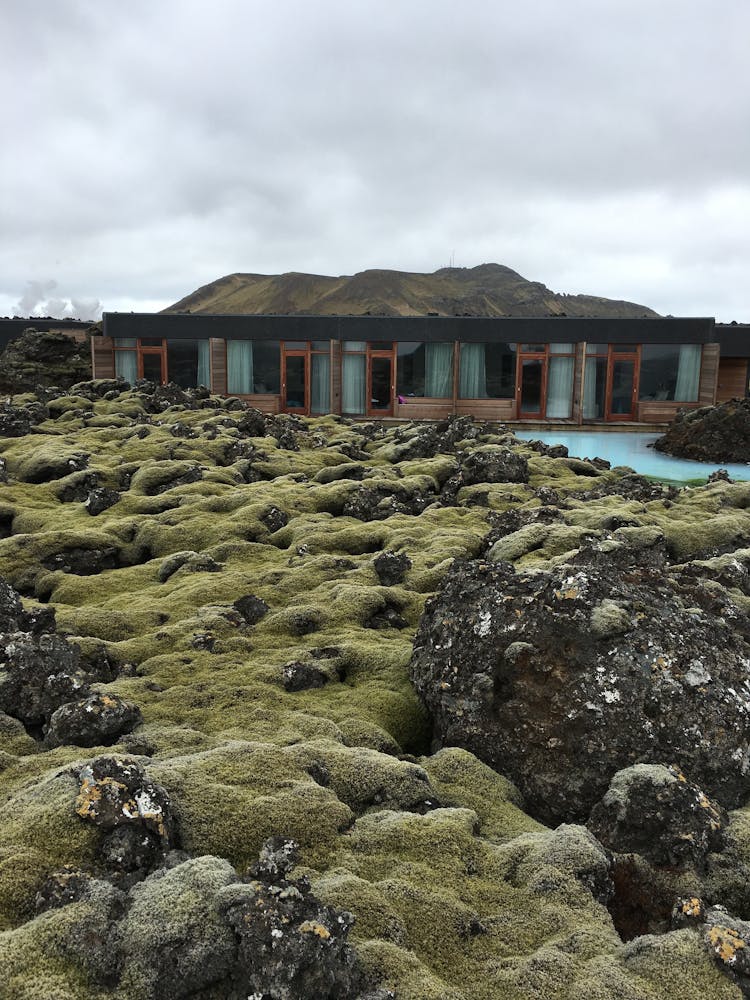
{"x":42,"y":298}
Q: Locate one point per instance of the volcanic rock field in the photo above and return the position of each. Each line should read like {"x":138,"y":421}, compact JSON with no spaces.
{"x":307,"y":708}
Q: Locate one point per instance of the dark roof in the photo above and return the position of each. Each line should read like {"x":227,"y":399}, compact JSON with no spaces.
{"x":547,"y":329}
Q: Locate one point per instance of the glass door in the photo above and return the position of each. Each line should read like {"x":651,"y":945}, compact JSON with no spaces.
{"x":380,"y":384}
{"x":153,"y":365}
{"x":531,"y":385}
{"x":622,"y":385}
{"x":295,"y":382}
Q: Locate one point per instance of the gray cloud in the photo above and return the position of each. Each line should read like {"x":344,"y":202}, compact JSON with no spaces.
{"x":597,"y":148}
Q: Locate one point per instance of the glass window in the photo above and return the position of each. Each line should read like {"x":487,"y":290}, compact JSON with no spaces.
{"x":125,"y":342}
{"x":594,"y":386}
{"x":239,"y":367}
{"x":295,"y":345}
{"x":596,"y":348}
{"x":320,"y":384}
{"x":126,"y":365}
{"x":487,"y":371}
{"x":151,"y":342}
{"x":266,"y":366}
{"x":561,"y":349}
{"x":321,"y":345}
{"x":670,"y":371}
{"x":425,"y":369}
{"x":182,"y":362}
{"x":533,"y":348}
{"x":624,"y":348}
{"x":381,"y":345}
{"x":355,"y":345}
{"x":353,"y":381}
{"x":560,"y":387}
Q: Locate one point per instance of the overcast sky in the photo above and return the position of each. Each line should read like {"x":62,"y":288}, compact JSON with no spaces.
{"x":150,"y":147}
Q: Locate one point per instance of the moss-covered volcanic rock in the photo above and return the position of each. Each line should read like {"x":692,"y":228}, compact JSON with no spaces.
{"x":248,"y":596}
{"x":39,"y":358}
{"x":711,"y":434}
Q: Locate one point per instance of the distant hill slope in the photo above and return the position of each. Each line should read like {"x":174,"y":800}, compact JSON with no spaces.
{"x":486,"y":290}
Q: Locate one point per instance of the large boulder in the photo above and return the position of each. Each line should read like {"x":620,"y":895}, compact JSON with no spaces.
{"x":43,"y":359}
{"x":711,"y":434}
{"x":559,"y":678}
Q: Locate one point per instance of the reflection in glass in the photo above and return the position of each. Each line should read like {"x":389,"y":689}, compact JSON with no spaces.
{"x":531,"y":385}
{"x":594,"y":388}
{"x":152,"y":368}
{"x":622,"y":388}
{"x":266,"y":366}
{"x":380,"y":387}
{"x":295,"y":382}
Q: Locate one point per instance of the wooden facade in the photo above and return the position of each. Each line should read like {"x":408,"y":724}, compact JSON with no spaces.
{"x":304,"y":344}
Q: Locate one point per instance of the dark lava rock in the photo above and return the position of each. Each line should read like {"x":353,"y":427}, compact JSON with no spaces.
{"x":439,"y":438}
{"x":391,"y":567}
{"x":253,"y":423}
{"x":134,"y":813}
{"x":275,"y":519}
{"x":98,"y":720}
{"x":77,"y":487}
{"x":654,"y":811}
{"x":43,"y":359}
{"x":711,"y":434}
{"x":300,"y":676}
{"x":100,"y":500}
{"x":251,"y":608}
{"x":3,"y":471}
{"x":39,"y":674}
{"x":17,"y":421}
{"x":728,"y":941}
{"x":561,"y":678}
{"x":388,"y":616}
{"x":550,"y":450}
{"x":191,"y":562}
{"x":69,"y":885}
{"x":83,"y":562}
{"x":289,"y":945}
{"x":494,"y":465}
{"x":376,"y":503}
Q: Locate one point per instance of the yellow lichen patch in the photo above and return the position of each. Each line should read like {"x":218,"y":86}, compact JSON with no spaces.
{"x":313,"y":927}
{"x":691,"y":907}
{"x":725,"y":942}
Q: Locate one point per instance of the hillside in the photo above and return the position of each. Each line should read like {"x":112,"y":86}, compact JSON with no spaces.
{"x":486,"y":290}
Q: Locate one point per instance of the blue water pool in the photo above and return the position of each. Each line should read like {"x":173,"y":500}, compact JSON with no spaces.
{"x":631,"y":448}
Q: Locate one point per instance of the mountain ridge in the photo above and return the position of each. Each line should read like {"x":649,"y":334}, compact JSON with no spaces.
{"x":485,"y":290}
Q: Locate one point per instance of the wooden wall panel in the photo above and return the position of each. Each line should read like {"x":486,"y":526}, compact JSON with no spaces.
{"x":652,"y":411}
{"x":578,"y":366}
{"x":102,"y":357}
{"x":732,"y":379}
{"x":265,"y":403}
{"x":424,"y":409}
{"x":709,"y":374}
{"x":487,"y":409}
{"x":218,"y":355}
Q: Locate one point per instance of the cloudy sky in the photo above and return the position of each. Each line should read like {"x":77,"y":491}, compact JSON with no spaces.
{"x":151,"y":147}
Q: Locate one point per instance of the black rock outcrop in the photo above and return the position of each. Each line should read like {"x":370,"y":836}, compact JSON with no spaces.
{"x":559,"y":678}
{"x":712,"y":434}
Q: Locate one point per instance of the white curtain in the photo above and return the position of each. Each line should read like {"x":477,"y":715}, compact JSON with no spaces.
{"x":353,"y":378}
{"x":560,"y":387}
{"x":320,"y":384}
{"x":688,"y":374}
{"x":239,"y":367}
{"x":204,"y":364}
{"x":126,"y":365}
{"x":438,"y":364}
{"x":472,"y":380}
{"x":590,"y":407}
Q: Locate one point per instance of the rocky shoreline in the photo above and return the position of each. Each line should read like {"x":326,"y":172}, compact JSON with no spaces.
{"x":711,"y":434}
{"x":296,"y":708}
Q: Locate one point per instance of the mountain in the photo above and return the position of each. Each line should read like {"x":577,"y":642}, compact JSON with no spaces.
{"x":486,"y":290}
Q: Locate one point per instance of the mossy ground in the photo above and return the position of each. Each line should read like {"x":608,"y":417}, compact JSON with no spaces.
{"x":461,"y":902}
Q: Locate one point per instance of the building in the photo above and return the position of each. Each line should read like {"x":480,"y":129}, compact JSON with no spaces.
{"x":552,"y":369}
